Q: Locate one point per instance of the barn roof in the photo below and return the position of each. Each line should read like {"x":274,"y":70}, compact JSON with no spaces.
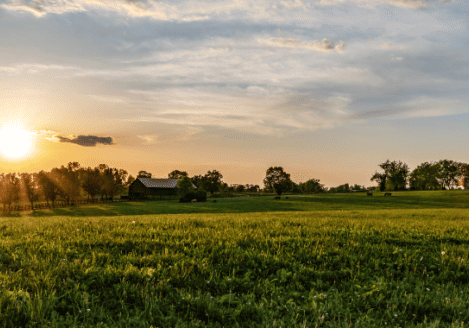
{"x":159,"y":183}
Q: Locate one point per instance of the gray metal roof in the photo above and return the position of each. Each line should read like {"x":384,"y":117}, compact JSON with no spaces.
{"x":159,"y":183}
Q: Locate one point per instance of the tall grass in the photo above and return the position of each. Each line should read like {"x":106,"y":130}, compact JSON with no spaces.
{"x":365,"y":262}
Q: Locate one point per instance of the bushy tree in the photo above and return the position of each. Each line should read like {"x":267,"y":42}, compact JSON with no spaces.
{"x":425,"y":177}
{"x":184,"y":186}
{"x":277,"y":179}
{"x":311,"y":186}
{"x":91,"y":181}
{"x":212,"y":181}
{"x":449,"y":172}
{"x":394,"y":177}
{"x":144,"y":174}
{"x":176,"y":174}
{"x":340,"y":189}
{"x":113,"y":180}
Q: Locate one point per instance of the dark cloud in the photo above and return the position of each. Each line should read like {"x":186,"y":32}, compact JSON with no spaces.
{"x":87,"y":141}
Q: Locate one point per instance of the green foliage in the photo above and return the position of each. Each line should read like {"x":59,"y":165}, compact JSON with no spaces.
{"x":277,"y":179}
{"x":184,"y":186}
{"x":340,"y":189}
{"x":425,"y":177}
{"x":201,"y":195}
{"x":325,"y":260}
{"x":394,"y":177}
{"x":311,"y":186}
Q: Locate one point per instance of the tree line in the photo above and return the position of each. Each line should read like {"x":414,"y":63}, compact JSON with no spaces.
{"x":72,"y":182}
{"x":442,"y":175}
{"x":67,"y":183}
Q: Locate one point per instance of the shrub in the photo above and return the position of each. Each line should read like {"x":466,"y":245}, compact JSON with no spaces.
{"x":201,"y":195}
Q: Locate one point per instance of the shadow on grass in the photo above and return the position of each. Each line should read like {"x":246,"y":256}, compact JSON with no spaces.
{"x":326,"y":202}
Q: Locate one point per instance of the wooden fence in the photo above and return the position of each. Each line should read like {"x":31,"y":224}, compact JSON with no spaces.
{"x":58,"y":204}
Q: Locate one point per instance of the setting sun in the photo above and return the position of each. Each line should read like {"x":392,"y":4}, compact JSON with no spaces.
{"x":15,"y":141}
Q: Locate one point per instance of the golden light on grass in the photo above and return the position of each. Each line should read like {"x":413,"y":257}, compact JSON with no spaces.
{"x":15,"y":141}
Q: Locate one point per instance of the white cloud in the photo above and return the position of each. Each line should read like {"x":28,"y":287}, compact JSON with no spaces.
{"x":186,"y":11}
{"x":411,"y":4}
{"x":293,"y":4}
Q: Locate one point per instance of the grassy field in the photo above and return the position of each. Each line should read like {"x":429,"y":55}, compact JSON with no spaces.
{"x":309,"y":261}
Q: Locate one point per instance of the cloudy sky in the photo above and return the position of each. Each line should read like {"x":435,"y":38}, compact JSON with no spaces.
{"x":328,"y":89}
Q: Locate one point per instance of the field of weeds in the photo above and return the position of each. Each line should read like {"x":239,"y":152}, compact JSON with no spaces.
{"x":306,"y":261}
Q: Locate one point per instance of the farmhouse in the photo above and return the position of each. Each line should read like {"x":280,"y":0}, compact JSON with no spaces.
{"x":148,"y":188}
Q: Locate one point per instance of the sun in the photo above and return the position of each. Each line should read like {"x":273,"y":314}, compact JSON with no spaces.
{"x":15,"y":141}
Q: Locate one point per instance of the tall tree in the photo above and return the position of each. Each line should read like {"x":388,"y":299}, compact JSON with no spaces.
{"x":9,"y":190}
{"x":67,"y":179}
{"x":395,"y":175}
{"x":212,"y":181}
{"x":49,"y":188}
{"x":425,"y":177}
{"x":448,"y":173}
{"x":91,"y":182}
{"x":113,"y":180}
{"x":176,"y":174}
{"x":276,"y":178}
{"x":30,"y":187}
{"x":380,"y":178}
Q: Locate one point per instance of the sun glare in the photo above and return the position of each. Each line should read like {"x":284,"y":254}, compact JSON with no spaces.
{"x":15,"y":141}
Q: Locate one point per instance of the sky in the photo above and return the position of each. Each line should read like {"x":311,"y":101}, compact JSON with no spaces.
{"x":327,"y":89}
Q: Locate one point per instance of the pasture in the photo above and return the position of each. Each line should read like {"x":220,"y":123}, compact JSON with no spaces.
{"x":307,"y":261}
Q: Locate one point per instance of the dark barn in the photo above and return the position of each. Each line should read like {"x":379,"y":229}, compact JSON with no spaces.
{"x":148,"y":188}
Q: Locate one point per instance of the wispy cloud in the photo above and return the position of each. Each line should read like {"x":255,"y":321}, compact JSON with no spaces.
{"x":293,"y":4}
{"x":267,"y":113}
{"x":411,"y":4}
{"x":86,"y":141}
{"x":324,"y":45}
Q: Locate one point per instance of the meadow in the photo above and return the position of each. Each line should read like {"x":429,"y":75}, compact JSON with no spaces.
{"x":308,"y":261}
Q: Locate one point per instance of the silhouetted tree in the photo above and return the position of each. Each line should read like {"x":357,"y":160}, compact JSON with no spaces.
{"x":67,"y":179}
{"x":9,"y":190}
{"x":48,"y":187}
{"x":144,"y":174}
{"x":277,"y":179}
{"x":91,"y":182}
{"x":176,"y":174}
{"x":30,"y":187}
{"x":340,"y":189}
{"x":212,"y":181}
{"x":311,"y":186}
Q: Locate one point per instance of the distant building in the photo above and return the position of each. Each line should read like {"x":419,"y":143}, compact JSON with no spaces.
{"x":148,"y":188}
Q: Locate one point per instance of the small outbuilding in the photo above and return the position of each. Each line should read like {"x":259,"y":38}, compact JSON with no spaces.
{"x":149,"y":188}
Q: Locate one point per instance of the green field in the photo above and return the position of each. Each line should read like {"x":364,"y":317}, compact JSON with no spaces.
{"x":307,"y":261}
